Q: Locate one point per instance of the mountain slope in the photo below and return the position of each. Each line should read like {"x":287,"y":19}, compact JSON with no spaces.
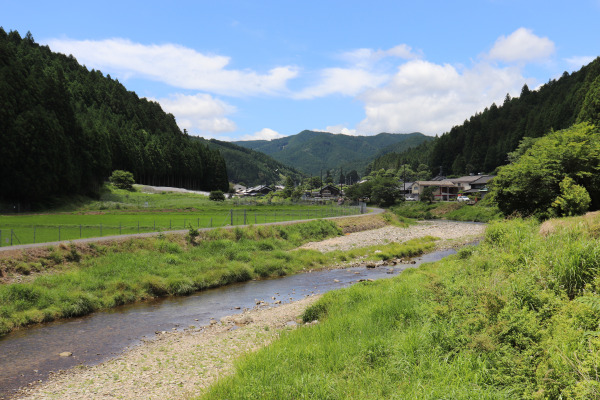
{"x":312,"y":152}
{"x":251,"y":167}
{"x":64,"y":129}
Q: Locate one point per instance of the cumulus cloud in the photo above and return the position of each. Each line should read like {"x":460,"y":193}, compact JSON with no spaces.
{"x":200,"y":113}
{"x":175,"y":65}
{"x":344,"y":81}
{"x":431,"y":98}
{"x":521,"y":46}
{"x":263,"y":134}
{"x":363,"y":72}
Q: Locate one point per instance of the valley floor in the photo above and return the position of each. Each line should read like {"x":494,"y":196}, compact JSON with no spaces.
{"x":179,"y":365}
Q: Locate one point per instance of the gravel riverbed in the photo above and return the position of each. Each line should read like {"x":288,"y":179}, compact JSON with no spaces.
{"x":179,"y":365}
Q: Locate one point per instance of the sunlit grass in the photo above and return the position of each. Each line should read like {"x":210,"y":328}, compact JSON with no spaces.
{"x":515,"y":317}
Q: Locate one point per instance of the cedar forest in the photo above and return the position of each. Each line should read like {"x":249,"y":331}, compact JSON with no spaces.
{"x":64,"y":129}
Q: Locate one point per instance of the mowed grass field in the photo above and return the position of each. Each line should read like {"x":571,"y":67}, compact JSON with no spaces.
{"x":120,"y":212}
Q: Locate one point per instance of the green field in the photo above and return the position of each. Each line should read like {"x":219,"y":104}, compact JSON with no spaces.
{"x":120,"y":212}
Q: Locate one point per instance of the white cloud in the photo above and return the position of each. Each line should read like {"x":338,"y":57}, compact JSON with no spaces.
{"x":521,"y":45}
{"x":364,"y":72}
{"x":199,"y":114}
{"x":431,"y":98}
{"x":367,"y":57}
{"x":174,"y":65}
{"x":348,"y":82}
{"x":575,"y":63}
{"x":263,"y":134}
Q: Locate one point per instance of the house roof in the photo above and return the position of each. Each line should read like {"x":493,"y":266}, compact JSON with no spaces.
{"x":435,"y":183}
{"x":330,"y":187}
{"x":483,"y":179}
{"x":466,"y":179}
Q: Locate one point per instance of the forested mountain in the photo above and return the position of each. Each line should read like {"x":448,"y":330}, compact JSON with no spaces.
{"x":250,"y":167}
{"x":483,"y":142}
{"x":63,"y":130}
{"x":315,"y":152}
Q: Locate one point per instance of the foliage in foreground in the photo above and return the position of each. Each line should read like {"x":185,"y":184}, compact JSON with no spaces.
{"x":531,"y":184}
{"x":76,"y":284}
{"x":515,"y":317}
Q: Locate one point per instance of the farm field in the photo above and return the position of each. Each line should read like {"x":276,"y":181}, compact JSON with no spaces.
{"x":119,"y":212}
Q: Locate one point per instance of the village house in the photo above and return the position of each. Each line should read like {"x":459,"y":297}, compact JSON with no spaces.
{"x":449,"y":188}
{"x":260,"y":190}
{"x":330,"y":191}
{"x":445,"y":190}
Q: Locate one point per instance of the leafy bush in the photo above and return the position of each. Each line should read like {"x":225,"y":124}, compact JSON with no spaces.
{"x":530,"y":184}
{"x":216,"y":195}
{"x":122,"y":179}
{"x":573,"y":199}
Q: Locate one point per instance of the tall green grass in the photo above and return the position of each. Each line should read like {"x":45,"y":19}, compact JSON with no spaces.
{"x":515,"y":317}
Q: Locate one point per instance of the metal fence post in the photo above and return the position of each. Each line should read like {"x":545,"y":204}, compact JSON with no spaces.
{"x":231,"y":216}
{"x":244,"y":216}
{"x":59,"y":233}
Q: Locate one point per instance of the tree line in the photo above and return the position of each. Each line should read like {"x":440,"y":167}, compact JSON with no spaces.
{"x":65,"y":128}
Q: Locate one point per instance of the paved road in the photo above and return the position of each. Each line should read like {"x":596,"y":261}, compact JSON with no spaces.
{"x":371,"y":211}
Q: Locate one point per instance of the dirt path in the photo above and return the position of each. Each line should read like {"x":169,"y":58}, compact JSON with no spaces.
{"x":180,"y":365}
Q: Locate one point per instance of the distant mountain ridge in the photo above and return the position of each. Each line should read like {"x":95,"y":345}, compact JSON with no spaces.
{"x":251,"y":167}
{"x":315,"y":152}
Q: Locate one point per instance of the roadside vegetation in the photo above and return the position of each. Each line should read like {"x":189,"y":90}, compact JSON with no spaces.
{"x":70,"y":281}
{"x":515,"y":317}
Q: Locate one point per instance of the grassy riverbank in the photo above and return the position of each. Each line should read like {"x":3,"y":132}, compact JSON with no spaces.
{"x":515,"y":317}
{"x":69,"y":281}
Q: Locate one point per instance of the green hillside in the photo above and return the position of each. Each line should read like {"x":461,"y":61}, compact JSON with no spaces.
{"x":251,"y":167}
{"x":312,"y":152}
{"x":64,"y":129}
{"x":484,"y":141}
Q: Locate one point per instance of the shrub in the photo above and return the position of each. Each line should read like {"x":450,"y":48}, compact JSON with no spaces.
{"x":573,"y":200}
{"x":122,"y":179}
{"x":216,"y":195}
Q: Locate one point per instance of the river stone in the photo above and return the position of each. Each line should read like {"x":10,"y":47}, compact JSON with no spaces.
{"x":243,"y":320}
{"x":66,"y":354}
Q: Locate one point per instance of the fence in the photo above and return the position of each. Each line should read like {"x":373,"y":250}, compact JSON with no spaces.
{"x":25,"y":234}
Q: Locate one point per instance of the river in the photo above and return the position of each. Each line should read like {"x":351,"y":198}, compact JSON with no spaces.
{"x":31,"y":355}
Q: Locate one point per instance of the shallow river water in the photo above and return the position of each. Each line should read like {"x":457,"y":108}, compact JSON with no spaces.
{"x":32,"y":354}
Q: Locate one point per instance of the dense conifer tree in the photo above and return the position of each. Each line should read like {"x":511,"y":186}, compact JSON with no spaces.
{"x":64,"y":129}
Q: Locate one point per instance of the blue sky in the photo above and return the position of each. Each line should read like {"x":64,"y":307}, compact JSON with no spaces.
{"x":238,"y":70}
